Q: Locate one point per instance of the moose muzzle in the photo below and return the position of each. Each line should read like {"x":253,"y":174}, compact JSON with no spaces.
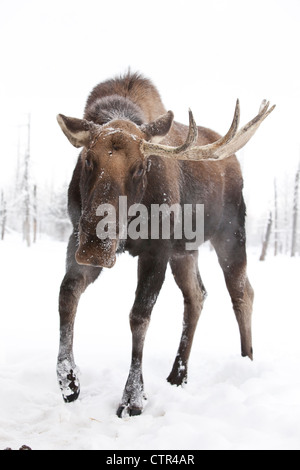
{"x":95,"y":252}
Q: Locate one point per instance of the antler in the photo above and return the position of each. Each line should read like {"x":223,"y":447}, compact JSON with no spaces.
{"x":226,"y":146}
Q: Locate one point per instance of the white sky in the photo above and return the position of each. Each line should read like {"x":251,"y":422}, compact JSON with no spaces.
{"x":201,"y":54}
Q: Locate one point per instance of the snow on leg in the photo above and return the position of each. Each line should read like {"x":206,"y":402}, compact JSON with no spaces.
{"x":75,"y":282}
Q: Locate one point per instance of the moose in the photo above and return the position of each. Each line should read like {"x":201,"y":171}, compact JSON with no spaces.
{"x":133,"y":148}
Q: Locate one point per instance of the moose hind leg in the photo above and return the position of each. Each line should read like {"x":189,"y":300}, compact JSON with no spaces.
{"x":187,"y":276}
{"x":232,"y":257}
{"x":243,"y":313}
{"x":242,"y":296}
{"x":76,"y":280}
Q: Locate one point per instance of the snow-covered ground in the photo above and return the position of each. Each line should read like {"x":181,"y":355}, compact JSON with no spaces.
{"x":229,"y":402}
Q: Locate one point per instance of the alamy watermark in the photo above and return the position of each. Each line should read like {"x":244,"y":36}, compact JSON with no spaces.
{"x":163,"y":222}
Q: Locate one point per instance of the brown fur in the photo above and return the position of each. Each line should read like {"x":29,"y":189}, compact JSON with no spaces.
{"x":111,"y":165}
{"x":132,"y":87}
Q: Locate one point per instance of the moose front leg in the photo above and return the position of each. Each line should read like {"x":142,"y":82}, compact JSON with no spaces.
{"x":76,"y":280}
{"x":67,"y":373}
{"x":151,"y":275}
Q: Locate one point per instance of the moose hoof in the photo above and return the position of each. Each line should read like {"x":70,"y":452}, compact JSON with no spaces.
{"x":177,"y":378}
{"x":71,"y":398}
{"x":177,"y":381}
{"x":133,"y":407}
{"x":70,"y":389}
{"x":248,"y":353}
{"x":68,"y":382}
{"x":125,"y":410}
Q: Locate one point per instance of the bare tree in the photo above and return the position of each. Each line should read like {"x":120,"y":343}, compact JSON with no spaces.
{"x":34,"y":213}
{"x":276,"y":233}
{"x":267,"y":238}
{"x":26,"y":191}
{"x":295,"y":214}
{"x":287,"y":216}
{"x":3,"y":215}
{"x":57,"y":214}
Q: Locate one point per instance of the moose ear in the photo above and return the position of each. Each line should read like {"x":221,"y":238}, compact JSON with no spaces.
{"x":78,"y":131}
{"x":156,"y":130}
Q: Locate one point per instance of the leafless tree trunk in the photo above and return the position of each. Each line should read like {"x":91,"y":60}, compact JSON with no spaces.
{"x":34,"y":213}
{"x":3,"y":214}
{"x":267,"y":239}
{"x":287,"y":218}
{"x":275,"y":219}
{"x":295,"y":214}
{"x":26,"y":223}
{"x":18,"y":182}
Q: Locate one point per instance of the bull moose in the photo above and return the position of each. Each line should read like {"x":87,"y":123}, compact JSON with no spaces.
{"x":132,"y":147}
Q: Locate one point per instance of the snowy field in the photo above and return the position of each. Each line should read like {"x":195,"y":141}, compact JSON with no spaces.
{"x":229,"y":402}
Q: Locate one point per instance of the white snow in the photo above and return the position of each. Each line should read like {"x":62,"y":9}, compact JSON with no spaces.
{"x":229,"y":402}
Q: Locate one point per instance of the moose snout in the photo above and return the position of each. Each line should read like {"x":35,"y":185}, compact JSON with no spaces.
{"x":95,"y":252}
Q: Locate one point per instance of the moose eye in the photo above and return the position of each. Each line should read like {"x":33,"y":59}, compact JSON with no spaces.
{"x":88,"y":164}
{"x":139,"y":172}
